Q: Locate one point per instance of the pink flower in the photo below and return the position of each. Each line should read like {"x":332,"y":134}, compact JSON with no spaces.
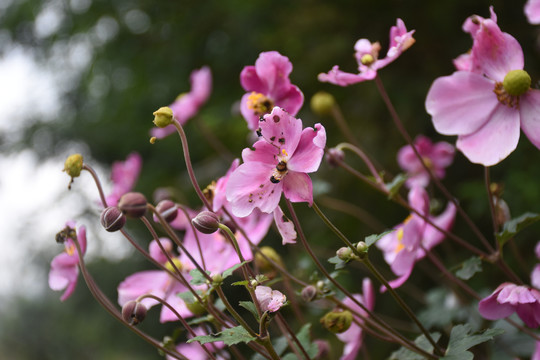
{"x":353,"y":337}
{"x":405,"y":246}
{"x":436,"y":156}
{"x":367,"y":56}
{"x":268,"y":85}
{"x":487,"y":105}
{"x":509,"y":298}
{"x":270,"y":300}
{"x":532,"y":11}
{"x":124,"y":175}
{"x":65,"y":266}
{"x":187,"y":105}
{"x":279,"y":163}
{"x":194,"y":350}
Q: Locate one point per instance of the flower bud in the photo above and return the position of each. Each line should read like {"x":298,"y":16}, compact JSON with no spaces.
{"x":133,"y":204}
{"x":112,"y":219}
{"x":334,"y":157}
{"x":196,"y":308}
{"x":309,"y":293}
{"x":73,"y":165}
{"x":323,"y":347}
{"x":322,"y":103}
{"x":133,"y":312}
{"x":217,"y":279}
{"x":337,"y":321}
{"x":362,"y":248}
{"x":167,"y":209}
{"x":206,"y":222}
{"x":163,"y":116}
{"x":345,"y":253}
{"x":262,"y":263}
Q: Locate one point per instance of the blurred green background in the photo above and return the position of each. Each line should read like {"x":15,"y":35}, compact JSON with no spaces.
{"x":121,"y":60}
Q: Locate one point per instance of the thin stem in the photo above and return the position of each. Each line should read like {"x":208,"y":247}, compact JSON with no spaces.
{"x":98,"y":183}
{"x":283,"y":323}
{"x":487,"y":183}
{"x":364,"y":158}
{"x":353,"y":210}
{"x":233,"y":312}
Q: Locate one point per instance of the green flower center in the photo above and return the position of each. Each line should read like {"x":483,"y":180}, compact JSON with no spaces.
{"x":517,"y":82}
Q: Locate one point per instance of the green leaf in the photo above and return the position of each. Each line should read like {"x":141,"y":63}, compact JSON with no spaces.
{"x":240,"y":283}
{"x":461,"y":340}
{"x":305,"y":340}
{"x":197,"y":278}
{"x":230,"y":270}
{"x":422,"y":342}
{"x":394,"y":186}
{"x":372,"y":239}
{"x":188,"y":296}
{"x":230,"y":336}
{"x":512,"y":227}
{"x":340,"y":264}
{"x":469,"y":268}
{"x":250,"y":306}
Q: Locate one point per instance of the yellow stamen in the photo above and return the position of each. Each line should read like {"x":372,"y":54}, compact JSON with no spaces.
{"x":284,"y":152}
{"x":176,"y":262}
{"x":259,"y":103}
{"x":400,"y":245}
{"x":70,"y":249}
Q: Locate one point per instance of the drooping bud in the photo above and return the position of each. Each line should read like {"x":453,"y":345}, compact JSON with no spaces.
{"x":309,"y":293}
{"x":73,"y":165}
{"x":262,"y":263}
{"x":322,"y":103}
{"x":337,"y":321}
{"x":163,"y":116}
{"x":167,"y":209}
{"x":334,"y":157}
{"x":133,"y":204}
{"x":517,"y":82}
{"x":112,"y":219}
{"x":133,"y":312}
{"x":206,"y":222}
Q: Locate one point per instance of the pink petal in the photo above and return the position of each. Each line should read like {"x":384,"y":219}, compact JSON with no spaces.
{"x":248,"y":114}
{"x":291,"y":100}
{"x":282,"y":130}
{"x":285,"y":227}
{"x":255,"y":225}
{"x":491,"y":309}
{"x":176,"y":302}
{"x":432,"y":236}
{"x":495,"y":140}
{"x":419,"y":200}
{"x":529,"y":110}
{"x":310,"y":150}
{"x":529,"y":313}
{"x":251,"y":82}
{"x":155,"y":250}
{"x":201,"y":84}
{"x":145,"y":282}
{"x":532,"y":11}
{"x":297,"y":187}
{"x":460,"y":103}
{"x":220,"y":199}
{"x":161,"y":133}
{"x":341,"y":78}
{"x":263,"y":153}
{"x":274,"y":69}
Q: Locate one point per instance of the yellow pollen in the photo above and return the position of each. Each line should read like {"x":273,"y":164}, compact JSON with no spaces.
{"x":427,"y":161}
{"x":259,"y":103}
{"x":367,"y":59}
{"x":284,"y":152}
{"x":70,"y":249}
{"x":400,"y":245}
{"x":176,"y":262}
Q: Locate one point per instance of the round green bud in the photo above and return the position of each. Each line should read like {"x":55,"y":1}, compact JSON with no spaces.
{"x":322,"y":103}
{"x":196,"y":307}
{"x":163,"y":116}
{"x":517,"y":82}
{"x":362,"y":248}
{"x":262,"y":263}
{"x":337,"y":321}
{"x":73,"y":165}
{"x":345,"y":253}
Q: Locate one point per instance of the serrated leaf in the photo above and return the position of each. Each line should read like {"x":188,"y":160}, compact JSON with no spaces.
{"x":461,"y":340}
{"x":250,"y":306}
{"x":230,"y":336}
{"x":396,"y":184}
{"x":230,"y":270}
{"x":372,"y":239}
{"x":469,"y":268}
{"x":512,"y":227}
{"x":422,"y":342}
{"x":340,"y":264}
{"x":304,"y":337}
{"x":240,"y":283}
{"x":200,"y":320}
{"x":197,"y":277}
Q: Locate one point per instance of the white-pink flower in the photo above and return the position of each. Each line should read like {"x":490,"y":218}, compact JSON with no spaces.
{"x":532,"y":11}
{"x":367,"y":56}
{"x":270,"y":300}
{"x":278,"y":164}
{"x":486,"y":105}
{"x":124,"y":175}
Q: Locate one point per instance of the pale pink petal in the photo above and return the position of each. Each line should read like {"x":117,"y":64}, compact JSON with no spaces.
{"x":515,"y":294}
{"x":285,"y":227}
{"x":535,"y":276}
{"x":255,"y":225}
{"x":176,"y":302}
{"x":262,"y":152}
{"x":155,"y":250}
{"x":419,"y":199}
{"x":250,"y":81}
{"x":491,"y":309}
{"x":274,"y":69}
{"x":270,"y":300}
{"x":394,"y":284}
{"x":341,"y":78}
{"x":310,"y":150}
{"x":220,"y":198}
{"x":161,"y":133}
{"x":529,"y":110}
{"x":153,"y":282}
{"x":464,"y":62}
{"x":532,"y":11}
{"x":445,"y":221}
{"x":282,"y":130}
{"x":251,"y":118}
{"x":461,"y":103}
{"x":297,"y":187}
{"x":201,"y":85}
{"x":124,"y":175}
{"x":291,"y":100}
{"x":495,"y":140}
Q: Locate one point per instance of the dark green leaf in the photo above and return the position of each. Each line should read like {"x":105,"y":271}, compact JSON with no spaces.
{"x":305,"y":339}
{"x":394,"y":186}
{"x":469,"y":268}
{"x":240,"y":283}
{"x":340,"y":264}
{"x":372,"y":239}
{"x":230,"y":270}
{"x":250,"y":306}
{"x":461,"y":340}
{"x":512,"y":227}
{"x":230,"y":336}
{"x":197,"y":278}
{"x":422,"y":342}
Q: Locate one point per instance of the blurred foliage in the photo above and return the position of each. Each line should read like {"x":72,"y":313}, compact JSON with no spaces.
{"x":125,"y":58}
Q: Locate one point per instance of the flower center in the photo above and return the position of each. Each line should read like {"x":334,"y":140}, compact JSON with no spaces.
{"x":279,"y":172}
{"x":517,"y":82}
{"x":176,"y":262}
{"x":259,"y":103}
{"x":70,"y":248}
{"x":367,"y":59}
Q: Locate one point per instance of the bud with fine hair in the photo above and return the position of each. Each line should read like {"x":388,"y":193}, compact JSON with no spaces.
{"x":112,"y":219}
{"x":133,"y":312}
{"x":263,"y":263}
{"x":163,"y":117}
{"x":334,"y":157}
{"x":206,"y":222}
{"x":309,"y":293}
{"x":167,"y":209}
{"x":133,"y":204}
{"x":73,"y":165}
{"x":322,"y":103}
{"x":337,"y":321}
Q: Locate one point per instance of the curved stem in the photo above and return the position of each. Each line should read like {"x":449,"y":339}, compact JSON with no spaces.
{"x":98,"y":183}
{"x":364,"y":158}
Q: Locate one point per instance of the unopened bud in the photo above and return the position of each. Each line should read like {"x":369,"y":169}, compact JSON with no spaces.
{"x":309,"y":293}
{"x":163,"y":116}
{"x":262,"y":263}
{"x":217,"y":279}
{"x":112,"y":219}
{"x":195,"y":307}
{"x":133,"y":312}
{"x":73,"y":165}
{"x":362,"y":248}
{"x":323,"y":349}
{"x":334,"y":157}
{"x":322,"y":103}
{"x":345,"y":253}
{"x":133,"y":204}
{"x":337,"y":321}
{"x":167,"y":209}
{"x":206,"y":222}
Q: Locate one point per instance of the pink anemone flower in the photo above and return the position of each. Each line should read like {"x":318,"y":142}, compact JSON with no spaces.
{"x":124,"y":175}
{"x":187,"y":105}
{"x":486,"y":107}
{"x":367,"y":56}
{"x":532,"y":11}
{"x":270,"y":300}
{"x":411,"y":239}
{"x":269,"y":85}
{"x":278,"y":164}
{"x":65,"y":266}
{"x":436,"y":156}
